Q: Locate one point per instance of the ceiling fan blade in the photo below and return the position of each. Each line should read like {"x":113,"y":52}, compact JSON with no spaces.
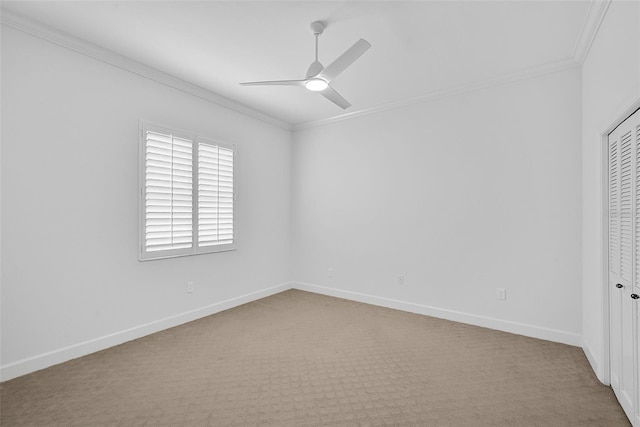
{"x":343,"y":61}
{"x":276,"y":83}
{"x":335,"y":97}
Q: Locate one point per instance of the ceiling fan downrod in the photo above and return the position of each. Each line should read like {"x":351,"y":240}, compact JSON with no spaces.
{"x":318,"y":28}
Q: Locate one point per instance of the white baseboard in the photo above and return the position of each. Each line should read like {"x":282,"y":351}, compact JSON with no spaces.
{"x":456,"y":316}
{"x":41,"y":361}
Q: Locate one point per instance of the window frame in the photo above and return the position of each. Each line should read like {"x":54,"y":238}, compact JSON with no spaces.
{"x":143,"y":254}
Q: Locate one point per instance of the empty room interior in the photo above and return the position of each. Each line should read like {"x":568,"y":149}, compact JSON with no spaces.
{"x":301,"y":213}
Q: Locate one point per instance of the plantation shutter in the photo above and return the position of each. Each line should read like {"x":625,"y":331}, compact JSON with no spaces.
{"x":215,"y":195}
{"x":167,"y":192}
{"x":186,"y":194}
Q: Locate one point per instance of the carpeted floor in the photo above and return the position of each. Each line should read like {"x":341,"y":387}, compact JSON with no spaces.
{"x":300,"y":359}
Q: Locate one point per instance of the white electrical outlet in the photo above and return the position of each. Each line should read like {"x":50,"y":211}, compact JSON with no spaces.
{"x":400,"y":280}
{"x":501,"y":293}
{"x":189,"y":287}
{"x":330,"y":272}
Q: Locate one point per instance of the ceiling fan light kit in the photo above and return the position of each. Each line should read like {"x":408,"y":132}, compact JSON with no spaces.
{"x":316,"y":85}
{"x":318,"y":77}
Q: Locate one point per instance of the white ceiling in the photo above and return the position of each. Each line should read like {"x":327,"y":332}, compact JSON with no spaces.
{"x":418,"y":47}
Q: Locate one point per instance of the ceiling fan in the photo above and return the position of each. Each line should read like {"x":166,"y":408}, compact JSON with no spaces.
{"x":319,"y":77}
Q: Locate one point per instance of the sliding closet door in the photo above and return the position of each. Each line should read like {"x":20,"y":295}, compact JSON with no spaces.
{"x":624,"y":260}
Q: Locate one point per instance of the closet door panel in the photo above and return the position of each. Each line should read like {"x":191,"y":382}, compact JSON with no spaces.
{"x":624,"y":262}
{"x":634,"y":306}
{"x":615,"y":284}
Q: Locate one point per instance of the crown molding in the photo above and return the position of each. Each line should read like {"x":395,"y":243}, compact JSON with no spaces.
{"x":590,"y":26}
{"x":528,"y":73}
{"x":94,"y":51}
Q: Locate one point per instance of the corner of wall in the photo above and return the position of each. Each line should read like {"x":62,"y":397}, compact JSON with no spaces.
{"x":595,"y":364}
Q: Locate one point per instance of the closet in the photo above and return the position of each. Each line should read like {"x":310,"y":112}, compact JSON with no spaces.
{"x":624,"y":263}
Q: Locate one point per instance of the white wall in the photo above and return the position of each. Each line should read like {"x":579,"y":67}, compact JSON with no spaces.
{"x":437,"y":192}
{"x":461,"y":196}
{"x":70,"y":206}
{"x":610,"y":84}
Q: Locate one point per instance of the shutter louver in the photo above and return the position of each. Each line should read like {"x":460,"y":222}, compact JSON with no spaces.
{"x":637,"y":206}
{"x":614,"y":225}
{"x":168,"y":192}
{"x":625,"y":207}
{"x":215,"y":195}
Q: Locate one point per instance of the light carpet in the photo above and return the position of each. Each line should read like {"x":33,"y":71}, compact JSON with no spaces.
{"x":301,"y":359}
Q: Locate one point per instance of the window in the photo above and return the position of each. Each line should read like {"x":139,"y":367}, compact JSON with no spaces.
{"x":187,"y":196}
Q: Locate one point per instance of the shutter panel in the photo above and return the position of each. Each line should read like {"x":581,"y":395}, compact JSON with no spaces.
{"x":225,"y":194}
{"x":168,"y":192}
{"x":215,"y":195}
{"x":625,"y":207}
{"x":614,"y":225}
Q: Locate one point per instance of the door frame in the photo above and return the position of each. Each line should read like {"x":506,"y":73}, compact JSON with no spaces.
{"x":604,"y":255}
